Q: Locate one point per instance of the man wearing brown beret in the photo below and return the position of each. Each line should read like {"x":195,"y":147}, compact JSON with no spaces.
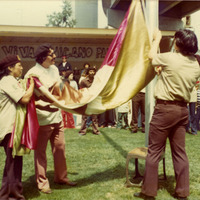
{"x":10,"y":95}
{"x":50,"y":121}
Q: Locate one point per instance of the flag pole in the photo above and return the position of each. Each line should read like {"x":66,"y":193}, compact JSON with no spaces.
{"x":151,"y":8}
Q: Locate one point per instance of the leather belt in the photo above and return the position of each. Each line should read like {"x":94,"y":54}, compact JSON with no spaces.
{"x":165,"y":102}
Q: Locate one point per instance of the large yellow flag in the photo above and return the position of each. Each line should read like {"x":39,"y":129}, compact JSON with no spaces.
{"x":125,"y":71}
{"x":132,"y":70}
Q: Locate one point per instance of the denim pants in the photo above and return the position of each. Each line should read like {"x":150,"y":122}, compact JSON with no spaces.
{"x":192,"y":118}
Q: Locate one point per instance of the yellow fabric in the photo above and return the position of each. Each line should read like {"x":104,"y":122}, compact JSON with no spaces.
{"x":132,"y":71}
{"x":19,"y":149}
{"x":112,"y":85}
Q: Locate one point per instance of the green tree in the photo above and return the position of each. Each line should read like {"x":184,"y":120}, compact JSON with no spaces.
{"x":63,"y":18}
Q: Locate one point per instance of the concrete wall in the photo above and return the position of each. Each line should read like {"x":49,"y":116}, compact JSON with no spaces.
{"x":77,"y":54}
{"x":86,"y":13}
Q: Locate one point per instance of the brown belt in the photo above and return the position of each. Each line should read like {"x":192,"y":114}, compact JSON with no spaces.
{"x":165,"y":102}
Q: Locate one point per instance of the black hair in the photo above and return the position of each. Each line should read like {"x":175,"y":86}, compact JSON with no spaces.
{"x":186,"y":41}
{"x":42,"y":53}
{"x":42,"y":57}
{"x":90,"y":68}
{"x":5,"y":71}
{"x":86,"y":64}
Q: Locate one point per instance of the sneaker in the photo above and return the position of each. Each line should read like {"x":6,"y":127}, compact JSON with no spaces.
{"x":70,"y":183}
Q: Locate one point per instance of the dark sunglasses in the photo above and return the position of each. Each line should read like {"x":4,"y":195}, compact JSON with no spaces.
{"x":52,"y":54}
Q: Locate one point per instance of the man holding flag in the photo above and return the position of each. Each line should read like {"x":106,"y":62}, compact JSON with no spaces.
{"x":179,"y":73}
{"x":50,"y":121}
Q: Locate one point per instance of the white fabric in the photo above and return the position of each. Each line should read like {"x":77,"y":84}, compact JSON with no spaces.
{"x":143,"y":90}
{"x":10,"y":94}
{"x":73,"y":84}
{"x":124,"y":107}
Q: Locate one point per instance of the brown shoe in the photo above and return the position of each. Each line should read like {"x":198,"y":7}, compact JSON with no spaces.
{"x":134,"y":131}
{"x":143,"y":196}
{"x":179,"y":198}
{"x":70,"y":183}
{"x":46,"y":190}
{"x":97,"y":133}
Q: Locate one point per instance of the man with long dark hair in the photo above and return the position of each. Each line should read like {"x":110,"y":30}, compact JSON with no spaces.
{"x":179,"y":72}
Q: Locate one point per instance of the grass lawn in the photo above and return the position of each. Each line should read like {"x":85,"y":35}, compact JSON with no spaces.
{"x":97,"y":163}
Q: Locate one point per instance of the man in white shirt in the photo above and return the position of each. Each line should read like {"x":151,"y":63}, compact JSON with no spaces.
{"x":50,"y":121}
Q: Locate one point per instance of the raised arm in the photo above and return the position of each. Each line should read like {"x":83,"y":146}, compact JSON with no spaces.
{"x":155,"y":45}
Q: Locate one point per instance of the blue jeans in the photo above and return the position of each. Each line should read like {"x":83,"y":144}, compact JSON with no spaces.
{"x":198,"y":117}
{"x":192,"y":118}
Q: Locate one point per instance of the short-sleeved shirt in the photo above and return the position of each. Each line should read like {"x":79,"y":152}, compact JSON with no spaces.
{"x":178,"y":77}
{"x":46,"y":113}
{"x":10,"y":94}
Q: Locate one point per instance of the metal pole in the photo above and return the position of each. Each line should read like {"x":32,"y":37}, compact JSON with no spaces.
{"x":152,"y":23}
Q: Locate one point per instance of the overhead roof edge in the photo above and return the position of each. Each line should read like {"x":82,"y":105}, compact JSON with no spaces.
{"x":35,"y":31}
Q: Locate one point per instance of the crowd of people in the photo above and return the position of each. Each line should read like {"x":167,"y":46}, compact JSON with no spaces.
{"x":115,"y":118}
{"x":178,"y":74}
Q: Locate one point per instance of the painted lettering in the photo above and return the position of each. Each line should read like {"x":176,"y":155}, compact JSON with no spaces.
{"x":101,"y":52}
{"x":80,"y":52}
{"x":60,"y":51}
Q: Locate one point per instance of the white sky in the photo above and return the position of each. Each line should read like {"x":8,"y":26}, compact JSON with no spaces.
{"x":34,"y":12}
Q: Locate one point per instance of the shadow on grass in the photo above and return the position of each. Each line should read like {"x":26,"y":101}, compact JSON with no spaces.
{"x":115,"y":145}
{"x":168,"y":184}
{"x":31,"y":191}
{"x":117,"y":172}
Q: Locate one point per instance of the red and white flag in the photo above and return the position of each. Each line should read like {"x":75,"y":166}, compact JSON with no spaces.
{"x":125,"y":70}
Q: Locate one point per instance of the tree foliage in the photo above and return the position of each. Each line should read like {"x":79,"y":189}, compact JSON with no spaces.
{"x":63,"y":18}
